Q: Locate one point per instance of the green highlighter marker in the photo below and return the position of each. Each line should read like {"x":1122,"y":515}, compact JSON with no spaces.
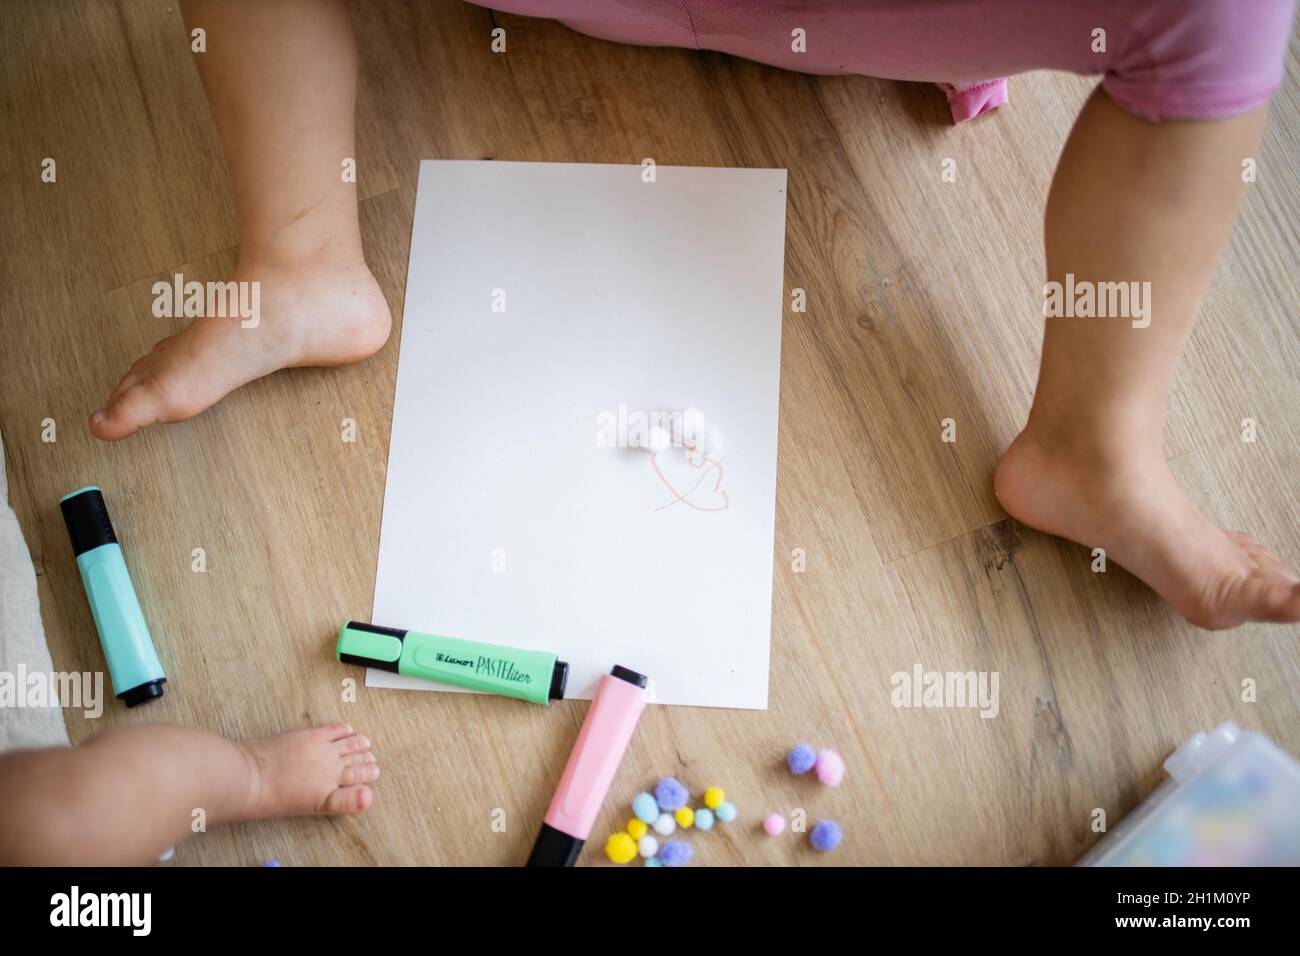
{"x":534,"y":676}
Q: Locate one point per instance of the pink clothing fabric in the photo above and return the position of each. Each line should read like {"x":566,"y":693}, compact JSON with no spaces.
{"x":1158,"y":59}
{"x":969,"y":100}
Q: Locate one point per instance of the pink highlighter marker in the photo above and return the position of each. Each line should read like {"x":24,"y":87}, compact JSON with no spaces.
{"x":594,"y":760}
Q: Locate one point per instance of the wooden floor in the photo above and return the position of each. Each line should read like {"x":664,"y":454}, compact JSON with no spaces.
{"x":924,"y":304}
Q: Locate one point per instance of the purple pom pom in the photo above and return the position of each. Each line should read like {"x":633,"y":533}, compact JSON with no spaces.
{"x":670,"y":795}
{"x":801,"y":759}
{"x":826,"y":835}
{"x":676,"y":853}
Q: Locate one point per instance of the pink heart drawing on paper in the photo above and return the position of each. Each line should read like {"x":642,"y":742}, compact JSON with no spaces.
{"x":691,"y":485}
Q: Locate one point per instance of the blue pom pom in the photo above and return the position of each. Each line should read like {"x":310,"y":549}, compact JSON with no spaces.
{"x":801,"y":759}
{"x":726,"y":812}
{"x":672,"y":796}
{"x":826,"y":835}
{"x":675,"y":853}
{"x":644,"y":808}
{"x":704,"y":819}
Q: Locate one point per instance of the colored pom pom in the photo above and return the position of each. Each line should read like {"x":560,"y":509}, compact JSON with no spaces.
{"x":726,"y":812}
{"x":684,"y":817}
{"x":713,"y":797}
{"x":801,"y":759}
{"x":665,"y":825}
{"x":654,"y":861}
{"x":676,"y":853}
{"x":273,"y":863}
{"x":826,"y":835}
{"x":647,"y":846}
{"x":830,"y":768}
{"x":704,"y":819}
{"x":645,"y":807}
{"x":774,"y":824}
{"x":670,"y":794}
{"x":709,"y":442}
{"x":620,"y":848}
{"x":166,"y":854}
{"x":636,"y":828}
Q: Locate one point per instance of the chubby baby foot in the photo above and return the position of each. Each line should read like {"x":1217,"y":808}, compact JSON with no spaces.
{"x":323,"y":770}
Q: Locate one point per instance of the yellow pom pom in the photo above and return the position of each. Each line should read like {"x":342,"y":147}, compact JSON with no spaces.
{"x":621,"y":848}
{"x":713,"y":797}
{"x":637,"y":828}
{"x":685,"y":817}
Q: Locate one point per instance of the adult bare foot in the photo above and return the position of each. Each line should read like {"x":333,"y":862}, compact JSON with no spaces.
{"x":316,"y":314}
{"x":1131,"y":505}
{"x":324,"y":770}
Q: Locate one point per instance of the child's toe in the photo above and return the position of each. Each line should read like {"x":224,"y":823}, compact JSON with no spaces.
{"x":346,"y":801}
{"x":357,"y":743}
{"x":361,"y":773}
{"x":336,"y":732}
{"x":1282,"y":600}
{"x":130,"y":409}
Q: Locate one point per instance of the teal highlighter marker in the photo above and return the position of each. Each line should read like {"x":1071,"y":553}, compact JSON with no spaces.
{"x":132,"y":661}
{"x":535,"y":676}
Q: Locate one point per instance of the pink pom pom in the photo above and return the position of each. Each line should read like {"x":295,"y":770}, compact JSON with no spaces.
{"x":830,"y":768}
{"x":773,"y":824}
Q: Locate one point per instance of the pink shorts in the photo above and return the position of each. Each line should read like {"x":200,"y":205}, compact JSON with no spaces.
{"x":1159,"y":59}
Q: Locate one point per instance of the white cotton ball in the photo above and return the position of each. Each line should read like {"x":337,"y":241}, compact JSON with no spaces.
{"x":708,"y":445}
{"x":647,"y":846}
{"x":710,"y":442}
{"x":665,"y":825}
{"x":659,"y":439}
{"x":689,"y":427}
{"x":167,"y":854}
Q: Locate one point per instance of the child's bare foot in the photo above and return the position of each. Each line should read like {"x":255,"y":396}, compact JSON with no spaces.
{"x":1133,"y":508}
{"x":317,"y":314}
{"x":322,"y":770}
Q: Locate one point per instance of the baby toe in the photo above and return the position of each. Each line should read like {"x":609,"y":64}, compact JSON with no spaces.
{"x":132,"y":408}
{"x":347,"y":801}
{"x":335,"y":732}
{"x":356,"y":743}
{"x":360,"y":773}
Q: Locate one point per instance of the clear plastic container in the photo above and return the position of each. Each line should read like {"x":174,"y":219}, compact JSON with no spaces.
{"x":1233,"y":799}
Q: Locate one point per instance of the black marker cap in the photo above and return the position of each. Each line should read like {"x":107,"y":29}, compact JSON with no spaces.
{"x":559,"y":680}
{"x":143,"y":693}
{"x":86,"y":517}
{"x":554,"y":848}
{"x":629,"y":675}
{"x":345,"y":647}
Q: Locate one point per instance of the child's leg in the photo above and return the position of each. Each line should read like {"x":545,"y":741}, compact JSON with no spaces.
{"x":1141,"y":201}
{"x":125,"y":796}
{"x":281,"y":78}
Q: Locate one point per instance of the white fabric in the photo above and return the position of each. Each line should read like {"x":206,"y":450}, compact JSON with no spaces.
{"x":22,"y":638}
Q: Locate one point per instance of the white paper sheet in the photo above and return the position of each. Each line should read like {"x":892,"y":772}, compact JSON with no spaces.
{"x":505,"y":518}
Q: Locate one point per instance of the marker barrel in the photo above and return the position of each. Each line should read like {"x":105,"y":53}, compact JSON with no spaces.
{"x":593,"y":762}
{"x":133,"y":665}
{"x":535,"y":676}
